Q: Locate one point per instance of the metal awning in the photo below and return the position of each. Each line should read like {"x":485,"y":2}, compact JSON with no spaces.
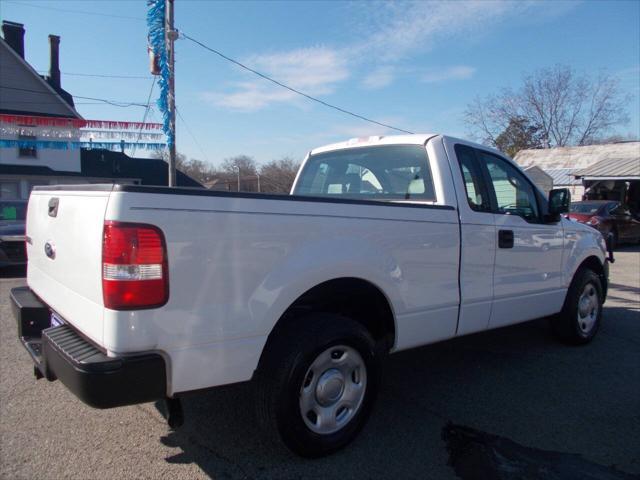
{"x":563,"y":176}
{"x":612,"y":169}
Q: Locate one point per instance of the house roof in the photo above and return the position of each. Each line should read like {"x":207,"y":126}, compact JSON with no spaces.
{"x":537,"y":171}
{"x":578,"y":157}
{"x":613,"y":168}
{"x":35,"y":170}
{"x":563,"y":176}
{"x":106,"y":164}
{"x":29,"y":95}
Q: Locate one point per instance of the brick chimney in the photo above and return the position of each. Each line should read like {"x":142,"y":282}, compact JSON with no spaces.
{"x":13,"y":34}
{"x":54,"y":65}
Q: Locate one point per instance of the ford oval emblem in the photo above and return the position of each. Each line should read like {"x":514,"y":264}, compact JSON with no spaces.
{"x":50,"y":250}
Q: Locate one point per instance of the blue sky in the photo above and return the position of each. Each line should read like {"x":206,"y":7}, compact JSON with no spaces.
{"x":411,"y":65}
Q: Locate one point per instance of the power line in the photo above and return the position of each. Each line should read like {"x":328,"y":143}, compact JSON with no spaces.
{"x":56,"y":103}
{"x":144,"y":117}
{"x":115,"y":103}
{"x":192,"y":135}
{"x":106,"y":75}
{"x":280,"y":84}
{"x":99,"y":75}
{"x":66,"y":10}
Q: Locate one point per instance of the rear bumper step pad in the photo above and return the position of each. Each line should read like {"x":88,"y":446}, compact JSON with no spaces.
{"x":60,"y":352}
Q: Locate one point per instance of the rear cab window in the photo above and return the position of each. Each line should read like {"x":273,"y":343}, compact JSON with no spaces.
{"x":385,"y":173}
{"x":474,"y":183}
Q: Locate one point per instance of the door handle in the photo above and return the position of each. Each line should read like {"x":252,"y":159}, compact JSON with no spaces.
{"x":53,"y":206}
{"x":505,"y":239}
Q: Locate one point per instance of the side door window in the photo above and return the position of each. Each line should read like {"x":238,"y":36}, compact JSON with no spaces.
{"x":474,"y":184}
{"x":514,"y":194}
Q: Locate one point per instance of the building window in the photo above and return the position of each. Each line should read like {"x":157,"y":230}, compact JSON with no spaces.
{"x":29,"y":187}
{"x":28,"y":151}
{"x":9,"y":190}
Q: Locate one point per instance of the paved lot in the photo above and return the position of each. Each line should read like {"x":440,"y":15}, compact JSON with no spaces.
{"x":516,"y":382}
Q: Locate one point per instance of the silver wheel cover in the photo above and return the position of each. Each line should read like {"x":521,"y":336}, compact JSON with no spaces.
{"x":588,"y":308}
{"x":333,"y":389}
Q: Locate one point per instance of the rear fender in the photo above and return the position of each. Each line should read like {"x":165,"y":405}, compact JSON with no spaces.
{"x":316,"y":263}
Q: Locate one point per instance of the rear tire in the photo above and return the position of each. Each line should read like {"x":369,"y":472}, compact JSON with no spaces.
{"x":580,"y":318}
{"x":327,"y":365}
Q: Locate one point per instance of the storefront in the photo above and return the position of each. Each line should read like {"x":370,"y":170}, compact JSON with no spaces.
{"x":613,"y":179}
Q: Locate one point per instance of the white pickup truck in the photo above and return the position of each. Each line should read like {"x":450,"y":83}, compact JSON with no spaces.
{"x":142,"y":293}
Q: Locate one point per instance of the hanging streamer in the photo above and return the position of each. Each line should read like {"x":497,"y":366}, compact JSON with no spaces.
{"x":69,"y":133}
{"x":119,"y":145}
{"x":155,"y":22}
{"x":73,"y":134}
{"x":45,"y":144}
{"x":121,"y":135}
{"x":37,"y":121}
{"x":40,"y":144}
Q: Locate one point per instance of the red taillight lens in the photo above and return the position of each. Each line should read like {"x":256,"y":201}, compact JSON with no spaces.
{"x":134,"y":266}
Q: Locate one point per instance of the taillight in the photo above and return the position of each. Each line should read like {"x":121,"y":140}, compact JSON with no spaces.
{"x":134,"y":266}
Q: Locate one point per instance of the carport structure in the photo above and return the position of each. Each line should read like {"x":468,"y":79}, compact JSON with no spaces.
{"x":614,"y":179}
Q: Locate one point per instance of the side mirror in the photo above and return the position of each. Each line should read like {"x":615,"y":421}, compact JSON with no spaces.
{"x":559,"y":203}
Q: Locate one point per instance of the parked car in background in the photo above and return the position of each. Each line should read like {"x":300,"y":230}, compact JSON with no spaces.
{"x":613,"y":219}
{"x":12,"y":225}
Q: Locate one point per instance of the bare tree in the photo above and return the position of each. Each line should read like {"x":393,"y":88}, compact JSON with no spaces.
{"x":243,"y":166}
{"x":277,"y":176}
{"x":200,"y":171}
{"x":247,"y":165}
{"x":564,"y":107}
{"x":197,"y":169}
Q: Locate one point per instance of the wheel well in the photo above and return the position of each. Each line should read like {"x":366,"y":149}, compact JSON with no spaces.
{"x":352,"y":297}
{"x":593,"y":264}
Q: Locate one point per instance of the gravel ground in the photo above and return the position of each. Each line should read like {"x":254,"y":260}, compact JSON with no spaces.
{"x":516,"y":382}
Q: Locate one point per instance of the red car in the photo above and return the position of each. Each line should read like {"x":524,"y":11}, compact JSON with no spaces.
{"x":611,"y":218}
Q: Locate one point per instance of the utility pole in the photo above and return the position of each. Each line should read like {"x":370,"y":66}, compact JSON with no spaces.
{"x":237,"y":169}
{"x":171,"y":36}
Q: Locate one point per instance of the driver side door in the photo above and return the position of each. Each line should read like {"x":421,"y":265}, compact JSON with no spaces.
{"x":527,"y":280}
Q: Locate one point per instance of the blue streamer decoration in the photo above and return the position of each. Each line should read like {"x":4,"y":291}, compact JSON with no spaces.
{"x":155,"y":22}
{"x":46,"y":144}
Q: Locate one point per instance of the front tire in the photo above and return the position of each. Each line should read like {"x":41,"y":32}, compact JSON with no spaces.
{"x":580,"y":318}
{"x":317,"y":383}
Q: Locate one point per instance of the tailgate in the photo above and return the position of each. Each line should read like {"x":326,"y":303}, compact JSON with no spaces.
{"x":64,"y":249}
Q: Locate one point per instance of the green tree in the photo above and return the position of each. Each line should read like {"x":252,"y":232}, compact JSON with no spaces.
{"x":519,"y":135}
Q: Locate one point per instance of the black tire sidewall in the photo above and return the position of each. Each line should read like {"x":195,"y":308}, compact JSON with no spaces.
{"x":291,"y":426}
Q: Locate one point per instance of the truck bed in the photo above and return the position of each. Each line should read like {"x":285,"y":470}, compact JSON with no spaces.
{"x":230,"y":257}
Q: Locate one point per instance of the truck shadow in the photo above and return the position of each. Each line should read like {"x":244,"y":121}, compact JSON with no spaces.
{"x":13,"y":271}
{"x":518,"y":382}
